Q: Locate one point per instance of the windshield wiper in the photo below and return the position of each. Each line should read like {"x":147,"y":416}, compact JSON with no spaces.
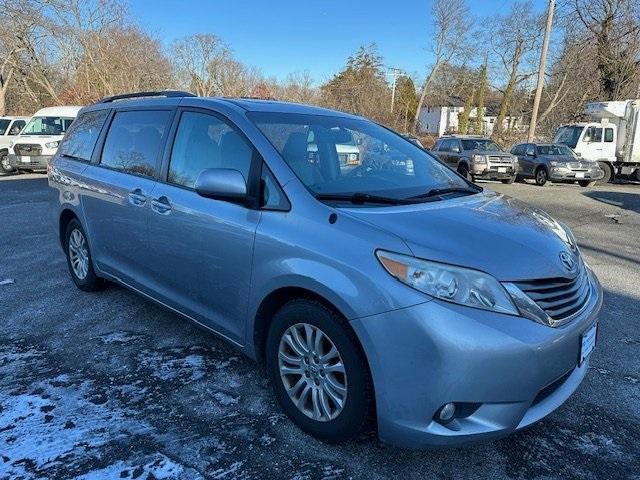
{"x":443,"y":191}
{"x":361,"y":198}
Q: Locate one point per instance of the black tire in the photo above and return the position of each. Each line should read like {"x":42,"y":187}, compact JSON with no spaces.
{"x":91,"y":282}
{"x":5,"y":168}
{"x":359,"y":404}
{"x":608,"y":173}
{"x":541,"y":177}
{"x":586,"y":183}
{"x":636,"y":175}
{"x":508,"y":181}
{"x":464,"y":171}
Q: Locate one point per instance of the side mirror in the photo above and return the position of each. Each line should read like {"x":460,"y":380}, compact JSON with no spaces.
{"x":222,"y":184}
{"x":578,"y":154}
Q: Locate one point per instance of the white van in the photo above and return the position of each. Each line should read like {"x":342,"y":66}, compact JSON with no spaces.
{"x":10,"y":127}
{"x":38,"y":141}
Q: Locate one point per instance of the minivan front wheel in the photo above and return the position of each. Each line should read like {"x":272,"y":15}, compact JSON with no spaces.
{"x":317,"y":370}
{"x":79,"y":258}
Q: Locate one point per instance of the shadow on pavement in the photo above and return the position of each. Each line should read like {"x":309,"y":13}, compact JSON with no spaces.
{"x":625,"y":200}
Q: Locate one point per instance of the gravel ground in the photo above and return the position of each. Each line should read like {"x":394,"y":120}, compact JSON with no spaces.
{"x":109,"y":385}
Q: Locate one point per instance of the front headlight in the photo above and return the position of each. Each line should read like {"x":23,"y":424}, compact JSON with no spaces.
{"x":553,"y":163}
{"x":479,"y":159}
{"x":463,"y":286}
{"x":51,"y":144}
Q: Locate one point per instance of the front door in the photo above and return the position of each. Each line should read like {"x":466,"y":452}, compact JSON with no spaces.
{"x":528,"y":160}
{"x":203,"y":248}
{"x":593,"y":146}
{"x":117,"y":193}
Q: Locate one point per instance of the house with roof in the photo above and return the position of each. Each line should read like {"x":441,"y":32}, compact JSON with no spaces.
{"x":445,"y":119}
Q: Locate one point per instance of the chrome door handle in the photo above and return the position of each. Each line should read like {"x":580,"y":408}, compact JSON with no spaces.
{"x":137,"y":197}
{"x":161,"y":205}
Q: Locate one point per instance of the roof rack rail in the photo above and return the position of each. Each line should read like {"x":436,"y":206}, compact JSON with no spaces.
{"x":161,"y":93}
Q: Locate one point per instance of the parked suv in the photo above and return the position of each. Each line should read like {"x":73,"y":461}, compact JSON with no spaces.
{"x":476,"y":158}
{"x":555,"y":163}
{"x":38,"y":141}
{"x":364,"y":292}
{"x":9,"y":128}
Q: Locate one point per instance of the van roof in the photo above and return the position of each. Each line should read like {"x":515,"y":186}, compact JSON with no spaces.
{"x":63,"y":111}
{"x":170,"y":97}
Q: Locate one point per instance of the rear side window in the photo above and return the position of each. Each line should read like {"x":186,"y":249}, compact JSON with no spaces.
{"x":83,"y":134}
{"x":135,"y":140}
{"x":206,"y":141}
{"x":608,"y":135}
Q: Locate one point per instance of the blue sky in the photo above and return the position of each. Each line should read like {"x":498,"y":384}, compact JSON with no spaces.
{"x":285,"y":36}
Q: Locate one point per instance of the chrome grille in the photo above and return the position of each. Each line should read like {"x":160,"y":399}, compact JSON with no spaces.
{"x":500,"y":160}
{"x":27,"y":149}
{"x":561,"y":297}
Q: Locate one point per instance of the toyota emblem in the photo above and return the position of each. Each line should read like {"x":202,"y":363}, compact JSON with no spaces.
{"x":568,"y":261}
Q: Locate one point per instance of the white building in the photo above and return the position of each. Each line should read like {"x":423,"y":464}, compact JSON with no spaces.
{"x":446,"y":119}
{"x":440,"y":120}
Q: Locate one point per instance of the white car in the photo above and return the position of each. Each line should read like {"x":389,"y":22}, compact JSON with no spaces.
{"x":9,"y":128}
{"x":38,"y":141}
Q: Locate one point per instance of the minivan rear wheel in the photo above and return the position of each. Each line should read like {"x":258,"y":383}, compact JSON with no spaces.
{"x":318,"y":372}
{"x":79,"y":258}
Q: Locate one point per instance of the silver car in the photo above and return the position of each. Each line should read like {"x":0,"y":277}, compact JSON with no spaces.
{"x":364,"y":292}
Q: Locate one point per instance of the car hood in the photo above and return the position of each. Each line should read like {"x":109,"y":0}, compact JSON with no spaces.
{"x":42,"y":139}
{"x":487,"y":231}
{"x":493,"y":153}
{"x":560,"y":158}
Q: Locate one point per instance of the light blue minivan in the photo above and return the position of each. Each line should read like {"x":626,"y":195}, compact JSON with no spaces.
{"x":392,"y":294}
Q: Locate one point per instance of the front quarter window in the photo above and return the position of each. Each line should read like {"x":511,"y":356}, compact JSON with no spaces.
{"x":334,"y":155}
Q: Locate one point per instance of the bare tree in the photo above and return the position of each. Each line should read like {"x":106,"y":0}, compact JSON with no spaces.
{"x":514,"y":37}
{"x":614,"y":27}
{"x":450,"y":43}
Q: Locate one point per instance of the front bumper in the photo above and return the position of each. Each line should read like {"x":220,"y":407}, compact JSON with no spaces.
{"x":562,"y":174}
{"x":507,"y":372}
{"x":35,"y":162}
{"x":493,"y":172}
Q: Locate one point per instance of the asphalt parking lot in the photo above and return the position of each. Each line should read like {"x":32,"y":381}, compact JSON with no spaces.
{"x":109,"y":385}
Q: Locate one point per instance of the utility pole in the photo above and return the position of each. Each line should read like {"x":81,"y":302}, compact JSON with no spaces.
{"x":395,"y":73}
{"x":543,"y":61}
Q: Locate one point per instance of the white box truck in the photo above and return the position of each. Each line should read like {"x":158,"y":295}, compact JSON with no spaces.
{"x":612,"y":137}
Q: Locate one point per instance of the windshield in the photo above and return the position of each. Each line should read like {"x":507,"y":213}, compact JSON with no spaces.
{"x":568,"y":135}
{"x":381,"y":164}
{"x":47,"y":126}
{"x":4,"y":124}
{"x":480,"y":145}
{"x":554,"y":150}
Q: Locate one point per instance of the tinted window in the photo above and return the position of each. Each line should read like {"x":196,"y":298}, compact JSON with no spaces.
{"x":530,"y":150}
{"x":445,"y":146}
{"x":517,"y":150}
{"x":555,"y":150}
{"x":16,"y":127}
{"x":608,"y":135}
{"x":4,"y":124}
{"x":135,"y":140}
{"x":83,"y":134}
{"x":205,"y":141}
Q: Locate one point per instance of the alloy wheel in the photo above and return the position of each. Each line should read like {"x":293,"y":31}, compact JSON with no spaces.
{"x":312,"y":372}
{"x":78,"y":254}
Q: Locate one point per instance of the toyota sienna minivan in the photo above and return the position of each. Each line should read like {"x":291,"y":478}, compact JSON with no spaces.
{"x":395,"y":295}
